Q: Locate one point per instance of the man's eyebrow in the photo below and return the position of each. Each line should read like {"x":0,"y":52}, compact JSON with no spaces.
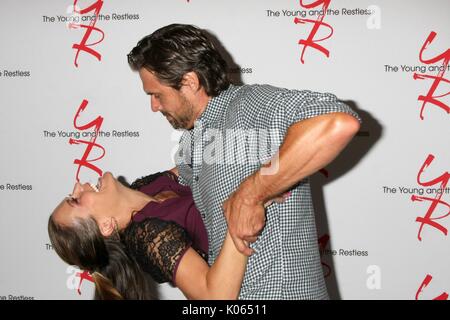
{"x":147,"y":92}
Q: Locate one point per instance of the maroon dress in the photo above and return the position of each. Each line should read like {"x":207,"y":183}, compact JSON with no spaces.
{"x":160,"y":233}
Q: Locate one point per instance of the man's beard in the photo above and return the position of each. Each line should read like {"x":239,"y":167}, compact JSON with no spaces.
{"x":184,"y":118}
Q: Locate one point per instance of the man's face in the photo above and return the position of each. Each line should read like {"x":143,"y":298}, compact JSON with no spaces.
{"x":173,"y":104}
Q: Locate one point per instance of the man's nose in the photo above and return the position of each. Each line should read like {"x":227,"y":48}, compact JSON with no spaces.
{"x":156,"y":106}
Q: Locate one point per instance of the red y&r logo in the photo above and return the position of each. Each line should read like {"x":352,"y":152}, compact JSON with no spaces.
{"x":76,"y":278}
{"x":84,"y":161}
{"x":430,"y":97}
{"x":83,"y":45}
{"x":426,"y":282}
{"x":434,"y":202}
{"x":83,"y":276}
{"x":311,"y":42}
{"x":443,"y":179}
{"x":94,"y":124}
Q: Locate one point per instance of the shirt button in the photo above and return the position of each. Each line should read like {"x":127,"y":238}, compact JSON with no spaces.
{"x":196,"y":178}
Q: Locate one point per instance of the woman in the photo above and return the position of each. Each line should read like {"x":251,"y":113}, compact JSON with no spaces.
{"x":115,"y":233}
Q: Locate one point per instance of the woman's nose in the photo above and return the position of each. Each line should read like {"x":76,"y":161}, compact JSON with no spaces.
{"x":77,"y":189}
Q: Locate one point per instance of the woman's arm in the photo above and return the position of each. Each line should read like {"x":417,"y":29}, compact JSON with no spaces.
{"x":220,"y":281}
{"x":163,"y":249}
{"x":174,"y":170}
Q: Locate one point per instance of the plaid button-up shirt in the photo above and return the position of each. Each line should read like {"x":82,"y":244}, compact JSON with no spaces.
{"x":239,"y":130}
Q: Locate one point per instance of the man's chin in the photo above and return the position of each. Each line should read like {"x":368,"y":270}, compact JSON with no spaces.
{"x":174,"y":124}
{"x":177,"y":124}
{"x":182,"y":127}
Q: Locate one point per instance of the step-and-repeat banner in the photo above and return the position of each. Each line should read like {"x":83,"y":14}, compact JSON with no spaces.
{"x":71,"y":108}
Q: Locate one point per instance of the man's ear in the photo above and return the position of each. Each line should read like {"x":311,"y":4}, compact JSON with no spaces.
{"x":106,"y":226}
{"x":191,"y":81}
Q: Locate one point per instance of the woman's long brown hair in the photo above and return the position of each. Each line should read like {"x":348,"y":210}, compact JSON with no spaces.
{"x":115,"y":273}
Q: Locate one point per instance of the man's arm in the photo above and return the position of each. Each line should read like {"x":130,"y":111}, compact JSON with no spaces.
{"x":309,"y":145}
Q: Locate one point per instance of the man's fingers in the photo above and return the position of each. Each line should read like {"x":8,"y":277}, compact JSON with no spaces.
{"x":279,"y":199}
{"x":250,"y":239}
{"x":226,"y":212}
{"x":242,"y":246}
{"x":268,"y":203}
{"x":249,"y":251}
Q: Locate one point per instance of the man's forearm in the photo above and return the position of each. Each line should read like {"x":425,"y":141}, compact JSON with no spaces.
{"x":309,"y":145}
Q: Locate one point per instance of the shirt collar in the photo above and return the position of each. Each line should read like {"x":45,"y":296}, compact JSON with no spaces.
{"x":217,"y":105}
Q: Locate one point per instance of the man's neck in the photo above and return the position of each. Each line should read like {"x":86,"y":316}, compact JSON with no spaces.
{"x":201,"y":105}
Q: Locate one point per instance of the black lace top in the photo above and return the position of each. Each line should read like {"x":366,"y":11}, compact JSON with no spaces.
{"x":157,"y":246}
{"x":158,"y":243}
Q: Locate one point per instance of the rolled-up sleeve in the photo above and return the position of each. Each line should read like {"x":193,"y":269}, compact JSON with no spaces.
{"x":287,"y":107}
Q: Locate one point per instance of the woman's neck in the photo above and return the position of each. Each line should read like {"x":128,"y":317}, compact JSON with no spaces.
{"x":133,"y":202}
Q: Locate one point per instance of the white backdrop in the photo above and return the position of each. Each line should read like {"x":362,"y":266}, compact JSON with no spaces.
{"x":367,"y":220}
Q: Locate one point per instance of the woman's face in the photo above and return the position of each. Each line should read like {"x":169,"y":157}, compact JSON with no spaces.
{"x":85,"y":201}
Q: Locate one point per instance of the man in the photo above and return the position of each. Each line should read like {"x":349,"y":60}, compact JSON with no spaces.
{"x":223,"y":151}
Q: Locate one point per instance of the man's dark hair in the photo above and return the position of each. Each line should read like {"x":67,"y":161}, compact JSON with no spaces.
{"x":176,"y":49}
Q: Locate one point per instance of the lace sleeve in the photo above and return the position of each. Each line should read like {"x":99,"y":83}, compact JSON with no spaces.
{"x":157,"y":246}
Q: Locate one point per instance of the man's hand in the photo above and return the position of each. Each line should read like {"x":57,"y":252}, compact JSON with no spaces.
{"x":246,"y":219}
